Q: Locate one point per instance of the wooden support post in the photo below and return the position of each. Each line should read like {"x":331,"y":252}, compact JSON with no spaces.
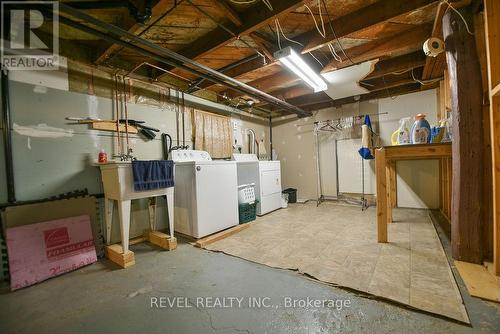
{"x":380,"y":173}
{"x":480,"y":37}
{"x":466,"y":96}
{"x":492,"y":29}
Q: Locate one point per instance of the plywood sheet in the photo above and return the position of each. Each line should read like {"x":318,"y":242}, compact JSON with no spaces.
{"x":479,"y":281}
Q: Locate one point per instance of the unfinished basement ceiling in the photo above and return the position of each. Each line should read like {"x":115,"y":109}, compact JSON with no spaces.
{"x":223,"y":33}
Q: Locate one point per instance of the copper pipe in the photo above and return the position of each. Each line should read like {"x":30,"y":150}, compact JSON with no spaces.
{"x":126,"y":114}
{"x":120,"y":150}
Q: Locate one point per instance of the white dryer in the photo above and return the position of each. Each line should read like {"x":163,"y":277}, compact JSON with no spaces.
{"x":267,"y":178}
{"x":206,"y":193}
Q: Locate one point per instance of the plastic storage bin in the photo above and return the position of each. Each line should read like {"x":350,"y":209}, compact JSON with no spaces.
{"x":292,"y":195}
{"x":246,"y":193}
{"x":247,"y":212}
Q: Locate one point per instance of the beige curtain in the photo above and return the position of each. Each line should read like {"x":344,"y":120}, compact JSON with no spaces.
{"x":212,"y":133}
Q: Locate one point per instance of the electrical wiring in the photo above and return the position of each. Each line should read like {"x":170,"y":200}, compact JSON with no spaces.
{"x":311,"y":54}
{"x":459,"y":14}
{"x":243,"y":2}
{"x":345,"y":53}
{"x":268,"y":4}
{"x":334,"y":53}
{"x":401,"y":72}
{"x":279,"y":30}
{"x":283,"y":34}
{"x":322,"y":33}
{"x":250,"y":2}
{"x":335,"y":34}
{"x":197,"y":7}
{"x":424,"y":82}
{"x":278,"y":33}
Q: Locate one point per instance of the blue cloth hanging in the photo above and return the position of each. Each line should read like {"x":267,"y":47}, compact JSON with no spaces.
{"x":366,"y":139}
{"x":152,"y":174}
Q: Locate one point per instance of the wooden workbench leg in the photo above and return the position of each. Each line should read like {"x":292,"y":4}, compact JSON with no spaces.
{"x":380,"y":170}
{"x":388,"y":188}
{"x":441,"y":185}
{"x":124,"y":215}
{"x":152,"y":213}
{"x":170,"y":208}
{"x":449,"y":182}
{"x":108,"y":208}
{"x":393,"y":184}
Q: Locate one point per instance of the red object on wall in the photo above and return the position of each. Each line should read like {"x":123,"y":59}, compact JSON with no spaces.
{"x":103,"y":157}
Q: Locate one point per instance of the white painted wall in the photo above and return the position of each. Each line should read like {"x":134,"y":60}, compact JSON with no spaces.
{"x":418,"y":181}
{"x":295,"y":144}
{"x":418,"y":185}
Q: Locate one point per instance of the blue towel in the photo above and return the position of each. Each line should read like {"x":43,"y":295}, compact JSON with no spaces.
{"x":153,"y":174}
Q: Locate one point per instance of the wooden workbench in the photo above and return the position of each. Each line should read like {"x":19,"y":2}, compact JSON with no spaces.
{"x":385,"y":169}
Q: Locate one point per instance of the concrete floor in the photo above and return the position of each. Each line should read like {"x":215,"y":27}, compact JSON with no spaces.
{"x":101,"y":298}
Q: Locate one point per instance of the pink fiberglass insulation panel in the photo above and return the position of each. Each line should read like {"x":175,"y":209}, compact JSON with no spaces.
{"x":43,"y":250}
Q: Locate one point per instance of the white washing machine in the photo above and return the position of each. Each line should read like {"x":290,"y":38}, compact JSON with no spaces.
{"x":206,"y":193}
{"x":267,"y":178}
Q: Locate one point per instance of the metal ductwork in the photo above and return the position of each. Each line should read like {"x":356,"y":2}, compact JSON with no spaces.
{"x":128,"y":40}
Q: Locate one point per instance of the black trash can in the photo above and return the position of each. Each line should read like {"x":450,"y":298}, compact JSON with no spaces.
{"x":292,"y":195}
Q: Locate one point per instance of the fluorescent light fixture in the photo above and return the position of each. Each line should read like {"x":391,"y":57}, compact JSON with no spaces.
{"x":297,"y":65}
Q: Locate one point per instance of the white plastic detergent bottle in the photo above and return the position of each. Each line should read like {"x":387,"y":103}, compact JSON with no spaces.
{"x":402,"y":135}
{"x":420,"y":131}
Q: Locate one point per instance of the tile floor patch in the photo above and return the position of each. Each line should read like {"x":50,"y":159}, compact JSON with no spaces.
{"x":337,"y":244}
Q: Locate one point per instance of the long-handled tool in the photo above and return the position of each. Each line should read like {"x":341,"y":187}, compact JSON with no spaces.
{"x":145,"y":130}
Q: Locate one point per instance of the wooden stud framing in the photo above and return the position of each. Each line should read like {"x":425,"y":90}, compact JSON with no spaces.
{"x":492,"y":29}
{"x":467,"y":97}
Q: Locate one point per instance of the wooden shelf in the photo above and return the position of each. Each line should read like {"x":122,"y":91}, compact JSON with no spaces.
{"x":111,"y":126}
{"x":495,"y":91}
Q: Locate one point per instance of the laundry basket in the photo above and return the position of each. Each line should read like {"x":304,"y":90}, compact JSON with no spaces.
{"x":246,"y":193}
{"x":247,"y":212}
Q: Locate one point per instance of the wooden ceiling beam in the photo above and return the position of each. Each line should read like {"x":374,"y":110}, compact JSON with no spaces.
{"x":415,"y":60}
{"x":269,"y":83}
{"x":314,"y":98}
{"x":363,"y":19}
{"x":381,"y":86}
{"x":368,"y":16}
{"x":391,"y":80}
{"x":286,"y":94}
{"x":228,"y":12}
{"x":404,"y":42}
{"x":435,"y":66}
{"x":397,"y":64}
{"x":160,"y":8}
{"x":256,"y":17}
{"x":401,"y":90}
{"x":238,"y":71}
{"x":262,"y":44}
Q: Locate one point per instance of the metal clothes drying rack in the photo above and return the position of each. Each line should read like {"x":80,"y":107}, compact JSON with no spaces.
{"x":335,"y":126}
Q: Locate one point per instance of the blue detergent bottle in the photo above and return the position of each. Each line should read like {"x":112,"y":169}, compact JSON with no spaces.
{"x":420,"y":131}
